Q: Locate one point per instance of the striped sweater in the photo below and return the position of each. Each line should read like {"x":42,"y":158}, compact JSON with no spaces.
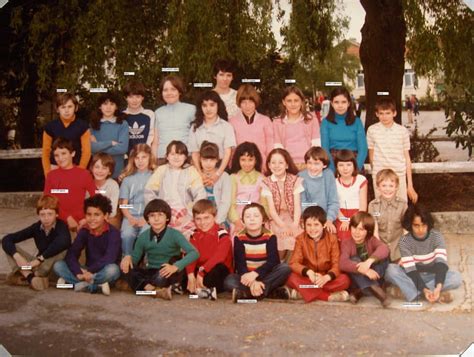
{"x":424,"y":255}
{"x":259,"y":254}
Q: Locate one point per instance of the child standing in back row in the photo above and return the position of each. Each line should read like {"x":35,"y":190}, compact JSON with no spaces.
{"x":389,"y":148}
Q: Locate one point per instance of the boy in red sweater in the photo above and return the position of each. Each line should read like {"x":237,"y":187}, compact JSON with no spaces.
{"x":206,"y":275}
{"x":69,"y":183}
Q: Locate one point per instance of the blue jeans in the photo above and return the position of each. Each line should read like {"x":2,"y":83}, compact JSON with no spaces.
{"x":276,"y":278}
{"x":107,"y":274}
{"x":129,"y":235}
{"x":396,"y":275}
{"x":362,"y":282}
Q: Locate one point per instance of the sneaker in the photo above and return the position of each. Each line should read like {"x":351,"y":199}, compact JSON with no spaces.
{"x":446,"y":297}
{"x":295,"y":295}
{"x":164,"y":293}
{"x":81,"y":286}
{"x":395,"y":292}
{"x":280,"y":293}
{"x":206,"y":293}
{"x":61,"y":281}
{"x":339,"y":296}
{"x":238,"y":294}
{"x":177,"y":289}
{"x":105,"y":288}
{"x":39,"y":283}
{"x":16,"y":279}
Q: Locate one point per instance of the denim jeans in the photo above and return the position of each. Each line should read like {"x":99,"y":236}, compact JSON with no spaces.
{"x":396,"y":275}
{"x":107,"y":274}
{"x":362,"y":281}
{"x":138,"y":278}
{"x":129,"y":235}
{"x":276,"y":278}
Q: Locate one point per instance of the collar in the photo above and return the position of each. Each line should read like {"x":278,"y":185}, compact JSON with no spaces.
{"x":199,"y":233}
{"x":340,"y":117}
{"x":216,"y":123}
{"x":110,"y":120}
{"x":132,"y":112}
{"x":242,"y":173}
{"x":105,"y":228}
{"x":392,"y":202}
{"x":67,"y":122}
{"x":311,"y":176}
{"x":48,"y":231}
{"x":314,"y":240}
{"x":388,"y":127}
{"x":286,"y":120}
{"x":250,"y":119}
{"x":264,"y":231}
{"x":157,"y":237}
{"x":273,"y":178}
{"x":349,"y":185}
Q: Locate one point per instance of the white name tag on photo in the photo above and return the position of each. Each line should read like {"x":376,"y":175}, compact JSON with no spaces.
{"x":102,"y":192}
{"x":64,"y":286}
{"x":193,"y":296}
{"x":309,"y":286}
{"x":246,"y":301}
{"x":126,"y":206}
{"x":202,"y":85}
{"x":145,"y":292}
{"x":59,"y":190}
{"x":243,"y":202}
{"x":26,"y":267}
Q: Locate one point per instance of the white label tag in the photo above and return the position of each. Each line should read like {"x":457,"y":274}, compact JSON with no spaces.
{"x":376,"y":214}
{"x":309,"y":286}
{"x":344,"y":219}
{"x":126,"y":206}
{"x":202,"y":85}
{"x":61,"y":90}
{"x":246,"y":301}
{"x":102,"y":192}
{"x":64,"y":286}
{"x":26,"y":267}
{"x":145,"y":292}
{"x":59,"y":190}
{"x":290,"y":81}
{"x":383,"y":93}
{"x":243,"y":202}
{"x":193,"y":296}
{"x":98,"y":90}
{"x":170,"y":69}
{"x":412,"y":304}
{"x":333,"y":84}
{"x":251,"y":80}
{"x":128,"y":73}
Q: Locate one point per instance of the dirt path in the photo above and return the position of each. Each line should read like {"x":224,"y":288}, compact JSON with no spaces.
{"x":77,"y":324}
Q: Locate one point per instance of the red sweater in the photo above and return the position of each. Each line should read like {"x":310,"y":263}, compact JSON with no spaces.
{"x":214,"y":247}
{"x":77,"y":182}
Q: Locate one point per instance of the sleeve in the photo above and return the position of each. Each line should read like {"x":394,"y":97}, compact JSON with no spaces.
{"x":345,"y":262}
{"x":46,"y":152}
{"x":361,"y":144}
{"x":334,"y":271}
{"x":223,"y":249}
{"x":99,"y":145}
{"x":124,"y":193}
{"x":229,"y":136}
{"x":224,"y":203}
{"x":298,"y":186}
{"x":61,"y":242}
{"x":239,"y":257}
{"x":315,"y":132}
{"x":296,"y":260}
{"x":85,"y":149}
{"x":380,"y":251}
{"x":112,"y":253}
{"x":407,"y":260}
{"x":48,"y":185}
{"x":333,"y":199}
{"x":191,"y":267}
{"x":266,"y":190}
{"x":326,"y":140}
{"x":122,"y":142}
{"x":406,"y":139}
{"x":370,"y":137}
{"x":74,"y":252}
{"x":191,"y":252}
{"x":151,"y":132}
{"x":152,"y":187}
{"x":304,"y":196}
{"x":273,"y":258}
{"x":9,"y":241}
{"x":269,"y":136}
{"x":196,"y":186}
{"x":193,"y":145}
{"x":113,"y":194}
{"x":90,"y":184}
{"x":139,"y":246}
{"x":277,"y":139}
{"x":233,"y":214}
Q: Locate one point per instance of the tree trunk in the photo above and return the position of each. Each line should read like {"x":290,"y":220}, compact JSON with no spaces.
{"x":28,"y":110}
{"x":382,"y":53}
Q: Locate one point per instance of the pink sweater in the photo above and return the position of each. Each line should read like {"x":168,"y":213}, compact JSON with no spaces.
{"x":296,"y":137}
{"x":259,"y":132}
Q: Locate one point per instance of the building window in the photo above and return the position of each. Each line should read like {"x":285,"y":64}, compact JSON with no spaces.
{"x":360,"y":79}
{"x":409,"y":78}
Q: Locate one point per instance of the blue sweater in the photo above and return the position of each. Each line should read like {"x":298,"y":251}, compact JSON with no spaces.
{"x":320,"y":191}
{"x":107,"y":133}
{"x":341,"y":136}
{"x":173,"y":122}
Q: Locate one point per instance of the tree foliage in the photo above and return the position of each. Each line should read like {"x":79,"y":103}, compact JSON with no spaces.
{"x":441,"y":45}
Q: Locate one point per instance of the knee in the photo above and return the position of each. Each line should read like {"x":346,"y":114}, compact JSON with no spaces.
{"x":392,"y":271}
{"x":112,"y":272}
{"x":59,"y":267}
{"x":283,"y":268}
{"x":232,"y":281}
{"x":455,"y":279}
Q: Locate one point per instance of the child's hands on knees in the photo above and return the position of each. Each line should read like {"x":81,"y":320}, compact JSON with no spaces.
{"x":257,"y":287}
{"x":126,"y":264}
{"x":248,"y":278}
{"x":167,"y":270}
{"x":321,"y":280}
{"x":363,"y":267}
{"x":372,"y":274}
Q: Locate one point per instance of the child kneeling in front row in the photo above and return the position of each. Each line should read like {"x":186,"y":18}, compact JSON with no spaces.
{"x":51,"y":237}
{"x":101,"y":242}
{"x":259,"y":271}
{"x":206,"y":275}
{"x":315,"y":262}
{"x":162,"y":246}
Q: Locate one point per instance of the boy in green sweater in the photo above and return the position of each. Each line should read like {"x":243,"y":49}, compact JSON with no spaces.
{"x":162,"y":246}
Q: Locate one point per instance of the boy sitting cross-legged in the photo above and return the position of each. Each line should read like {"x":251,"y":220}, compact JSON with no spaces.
{"x":51,"y":237}
{"x":206,"y":275}
{"x":102,"y":244}
{"x":162,"y":246}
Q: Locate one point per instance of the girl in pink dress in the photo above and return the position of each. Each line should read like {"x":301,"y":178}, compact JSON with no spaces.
{"x":246,"y":181}
{"x":351,"y":189}
{"x":296,"y":130}
{"x":282,"y":190}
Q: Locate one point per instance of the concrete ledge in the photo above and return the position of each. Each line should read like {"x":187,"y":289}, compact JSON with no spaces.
{"x":19,"y":199}
{"x":20,"y":154}
{"x":454,"y":222}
